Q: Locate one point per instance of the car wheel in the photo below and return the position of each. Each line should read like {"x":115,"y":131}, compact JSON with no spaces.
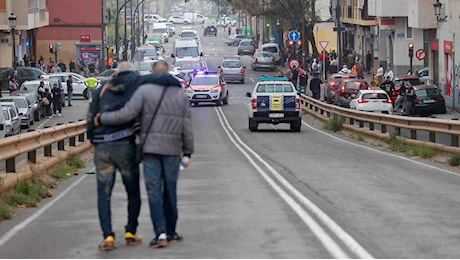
{"x":253,"y":69}
{"x":32,"y":122}
{"x":252,"y":125}
{"x":219,"y":102}
{"x":242,"y":81}
{"x":295,"y":126}
{"x":37,"y":115}
{"x":85,"y":93}
{"x":226,"y":99}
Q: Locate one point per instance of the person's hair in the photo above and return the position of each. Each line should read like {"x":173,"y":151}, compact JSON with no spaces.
{"x":42,"y":82}
{"x":159,"y":63}
{"x":388,"y":77}
{"x":55,"y":84}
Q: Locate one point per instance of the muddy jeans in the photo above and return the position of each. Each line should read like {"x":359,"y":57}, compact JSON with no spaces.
{"x":109,"y":157}
{"x":161,"y":173}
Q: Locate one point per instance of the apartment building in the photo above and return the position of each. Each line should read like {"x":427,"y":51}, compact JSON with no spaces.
{"x":31,"y":15}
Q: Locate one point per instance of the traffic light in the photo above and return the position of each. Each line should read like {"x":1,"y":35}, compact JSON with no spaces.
{"x":299,"y":43}
{"x":110,"y":50}
{"x":290,"y":43}
{"x":277,"y":23}
{"x":51,"y":48}
{"x":411,"y":50}
{"x":57,"y":46}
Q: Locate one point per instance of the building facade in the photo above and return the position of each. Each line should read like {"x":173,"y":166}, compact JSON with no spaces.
{"x":31,"y":15}
{"x":76,"y":25}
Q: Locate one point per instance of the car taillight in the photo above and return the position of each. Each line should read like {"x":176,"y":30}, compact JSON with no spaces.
{"x":417,"y":100}
{"x":242,"y":70}
{"x":257,"y":60}
{"x":388,"y":101}
{"x":273,"y":60}
{"x":297,"y":103}
{"x":332,"y":85}
{"x":221,"y":70}
{"x":360,"y":101}
{"x":440,"y":98}
{"x":254,"y":103}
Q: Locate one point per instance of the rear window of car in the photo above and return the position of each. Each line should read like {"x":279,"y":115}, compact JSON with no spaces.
{"x":245,"y":43}
{"x":427,"y":92}
{"x":270,"y":49}
{"x":231,"y":64}
{"x":264,"y":54}
{"x":205,"y":81}
{"x":272,"y":88}
{"x":187,"y":34}
{"x":6,"y":115}
{"x":375,"y":96}
{"x":356,"y":85}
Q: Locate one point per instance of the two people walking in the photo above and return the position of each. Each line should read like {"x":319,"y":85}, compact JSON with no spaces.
{"x":155,"y":106}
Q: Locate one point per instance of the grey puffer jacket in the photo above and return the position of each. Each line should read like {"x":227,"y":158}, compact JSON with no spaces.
{"x":171,"y":132}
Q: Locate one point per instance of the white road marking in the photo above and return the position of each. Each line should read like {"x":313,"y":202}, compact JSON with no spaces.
{"x":383,"y":152}
{"x":251,"y":79}
{"x":12,"y":232}
{"x":330,"y":245}
{"x":44,"y":122}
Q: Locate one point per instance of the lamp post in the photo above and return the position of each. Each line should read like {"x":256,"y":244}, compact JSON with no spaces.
{"x":437,"y":11}
{"x":12,"y":20}
{"x":411,"y":56}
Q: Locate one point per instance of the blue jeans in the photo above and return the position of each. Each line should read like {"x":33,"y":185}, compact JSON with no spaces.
{"x":109,"y":157}
{"x":161,"y":173}
{"x":69,"y":97}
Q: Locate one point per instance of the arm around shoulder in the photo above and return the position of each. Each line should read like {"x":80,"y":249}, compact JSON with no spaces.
{"x":128,"y":112}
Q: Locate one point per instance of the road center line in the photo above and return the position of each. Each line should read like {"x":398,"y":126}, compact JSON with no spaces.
{"x":347,"y":239}
{"x":16,"y":229}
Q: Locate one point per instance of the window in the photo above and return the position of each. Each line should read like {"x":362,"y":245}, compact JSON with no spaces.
{"x":375,"y":96}
{"x":231,"y":64}
{"x":2,"y":5}
{"x":272,"y":88}
{"x":6,"y":115}
{"x":408,"y":30}
{"x":187,"y":51}
{"x":205,"y":81}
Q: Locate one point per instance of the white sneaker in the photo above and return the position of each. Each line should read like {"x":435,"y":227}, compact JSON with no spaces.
{"x":162,"y":236}
{"x":59,"y":114}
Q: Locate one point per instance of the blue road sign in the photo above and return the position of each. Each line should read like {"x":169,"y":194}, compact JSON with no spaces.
{"x":294,"y":35}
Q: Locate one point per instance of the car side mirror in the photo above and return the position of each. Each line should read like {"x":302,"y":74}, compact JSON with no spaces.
{"x":244,"y":67}
{"x":218,"y":67}
{"x":201,"y":54}
{"x":248,"y":94}
{"x":172,"y":55}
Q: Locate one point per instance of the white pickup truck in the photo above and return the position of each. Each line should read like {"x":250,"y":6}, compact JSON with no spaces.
{"x":274,"y":100}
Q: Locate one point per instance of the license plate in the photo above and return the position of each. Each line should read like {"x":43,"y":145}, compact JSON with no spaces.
{"x":428,"y":101}
{"x":201,"y":96}
{"x":276,"y":115}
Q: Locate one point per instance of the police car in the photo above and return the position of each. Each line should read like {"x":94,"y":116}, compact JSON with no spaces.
{"x":274,"y":100}
{"x":207,"y":87}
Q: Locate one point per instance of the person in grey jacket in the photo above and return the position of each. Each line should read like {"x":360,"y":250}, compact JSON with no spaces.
{"x":169,"y":137}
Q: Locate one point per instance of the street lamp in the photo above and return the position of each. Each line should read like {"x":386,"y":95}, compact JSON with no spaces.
{"x":437,"y":11}
{"x":12,"y":19}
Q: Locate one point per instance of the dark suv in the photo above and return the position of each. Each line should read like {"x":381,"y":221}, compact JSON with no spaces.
{"x":348,"y":89}
{"x":210,"y":30}
{"x":428,"y":100}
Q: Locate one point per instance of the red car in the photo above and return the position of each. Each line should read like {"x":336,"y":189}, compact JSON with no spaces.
{"x":348,"y":89}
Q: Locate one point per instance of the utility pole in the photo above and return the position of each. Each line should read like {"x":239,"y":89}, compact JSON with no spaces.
{"x":132,"y":30}
{"x":117,"y":32}
{"x":125,"y":39}
{"x":339,"y":34}
{"x":103,"y":37}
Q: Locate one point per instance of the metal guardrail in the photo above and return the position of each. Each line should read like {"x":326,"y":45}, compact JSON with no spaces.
{"x":14,"y":146}
{"x":414,"y":124}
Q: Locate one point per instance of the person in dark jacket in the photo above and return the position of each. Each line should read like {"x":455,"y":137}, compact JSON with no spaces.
{"x":409,"y":100}
{"x":315,"y":86}
{"x":47,"y":99}
{"x":167,"y":139}
{"x":57,"y":102}
{"x":388,"y":86}
{"x":115,"y":149}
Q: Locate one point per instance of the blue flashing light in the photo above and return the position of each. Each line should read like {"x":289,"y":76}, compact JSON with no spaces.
{"x":268,"y":78}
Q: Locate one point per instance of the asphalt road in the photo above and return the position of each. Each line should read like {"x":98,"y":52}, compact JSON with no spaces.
{"x":269,"y":194}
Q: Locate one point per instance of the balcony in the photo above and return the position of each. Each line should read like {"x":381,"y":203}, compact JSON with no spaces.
{"x":355,"y":14}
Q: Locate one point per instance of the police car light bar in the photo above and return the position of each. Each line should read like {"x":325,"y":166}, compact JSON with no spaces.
{"x":268,"y":78}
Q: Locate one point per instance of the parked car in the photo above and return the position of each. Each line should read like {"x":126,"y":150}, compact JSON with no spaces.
{"x":246,"y":46}
{"x":263,"y":60}
{"x":372,"y":101}
{"x":106,"y":75}
{"x":333,"y":84}
{"x":12,"y":123}
{"x":78,"y":81}
{"x":235,"y":39}
{"x":189,"y":34}
{"x":232,"y":69}
{"x":24,"y":73}
{"x":429,"y":100}
{"x":25,"y":109}
{"x":348,"y":89}
{"x":34,"y":100}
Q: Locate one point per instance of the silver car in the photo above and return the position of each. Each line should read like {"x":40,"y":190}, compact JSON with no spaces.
{"x":26,"y":110}
{"x":12,"y":121}
{"x":246,"y":46}
{"x":232,"y":69}
{"x":263,"y":60}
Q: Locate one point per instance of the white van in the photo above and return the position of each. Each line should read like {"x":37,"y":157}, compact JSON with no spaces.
{"x":273,"y":48}
{"x":186,"y":48}
{"x":195,"y":17}
{"x":160,"y":30}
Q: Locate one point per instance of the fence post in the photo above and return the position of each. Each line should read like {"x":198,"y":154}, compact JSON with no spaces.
{"x":454,"y":140}
{"x":81,"y":137}
{"x":433,"y":137}
{"x":371,"y":126}
{"x":11,"y":165}
{"x":384,"y":129}
{"x":72,"y":140}
{"x":48,"y":148}
{"x":61,"y":142}
{"x":413,"y":134}
{"x":32,"y":155}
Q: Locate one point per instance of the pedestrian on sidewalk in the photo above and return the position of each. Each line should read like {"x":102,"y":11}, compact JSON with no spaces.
{"x":71,"y":66}
{"x":360,"y":69}
{"x":69,"y":83}
{"x":166,"y":128}
{"x":229,"y":30}
{"x":47,"y":98}
{"x":389,"y":73}
{"x":379,"y":74}
{"x":315,"y":86}
{"x":13,"y":83}
{"x":57,"y":102}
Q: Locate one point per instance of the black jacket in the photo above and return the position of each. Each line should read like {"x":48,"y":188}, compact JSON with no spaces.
{"x":117,"y":93}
